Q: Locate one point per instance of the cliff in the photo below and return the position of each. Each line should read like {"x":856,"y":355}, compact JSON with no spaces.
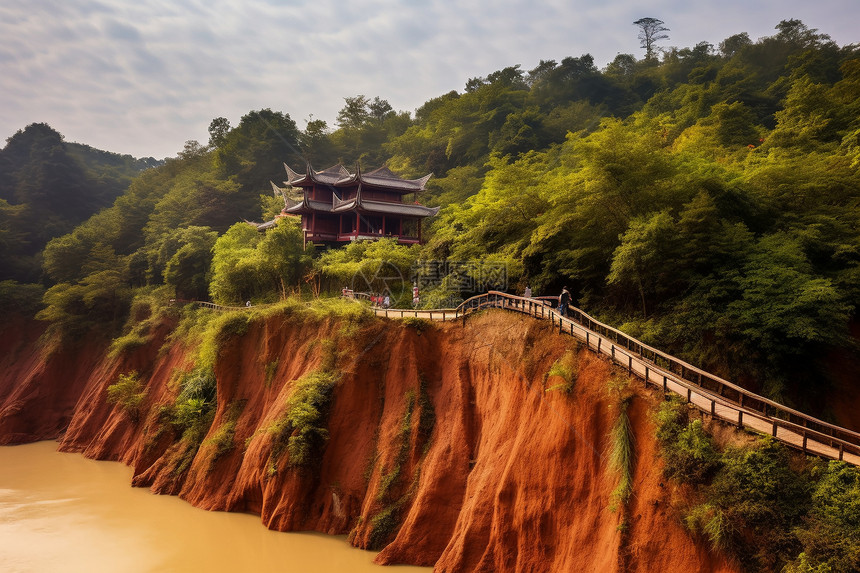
{"x":443,"y":446}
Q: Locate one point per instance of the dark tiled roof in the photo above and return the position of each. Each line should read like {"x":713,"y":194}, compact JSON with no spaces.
{"x":409,"y":209}
{"x":307,"y":205}
{"x":384,"y":177}
{"x":328,"y":176}
{"x":339,"y":176}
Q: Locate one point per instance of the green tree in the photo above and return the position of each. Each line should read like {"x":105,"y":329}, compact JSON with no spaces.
{"x":218,"y":130}
{"x":651,"y":31}
{"x":187,"y":264}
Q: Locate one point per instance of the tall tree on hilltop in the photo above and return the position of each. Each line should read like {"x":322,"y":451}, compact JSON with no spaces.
{"x":650,"y":31}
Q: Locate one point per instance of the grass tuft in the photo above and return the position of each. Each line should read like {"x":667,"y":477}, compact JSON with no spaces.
{"x":566,"y":369}
{"x":622,"y":452}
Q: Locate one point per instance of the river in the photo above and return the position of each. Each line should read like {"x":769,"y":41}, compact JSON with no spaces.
{"x":65,"y":513}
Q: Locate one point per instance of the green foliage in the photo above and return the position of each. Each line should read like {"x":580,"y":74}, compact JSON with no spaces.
{"x":248,"y":265}
{"x":417,"y":324}
{"x":301,"y":429}
{"x":688,"y":452}
{"x":271,"y":368}
{"x":383,"y":525}
{"x":128,"y":393}
{"x":99,"y":302}
{"x":191,"y":415}
{"x":831,"y":534}
{"x":762,"y":496}
{"x":367,"y":266}
{"x":804,"y":564}
{"x":427,"y":413}
{"x":195,"y":401}
{"x":48,"y":186}
{"x":622,"y":446}
{"x":759,"y":506}
{"x":185,"y":255}
{"x":218,"y":330}
{"x":20,"y":298}
{"x":386,"y":520}
{"x":567,"y":369}
{"x":222,"y":439}
{"x":148,"y":309}
{"x":712,"y":522}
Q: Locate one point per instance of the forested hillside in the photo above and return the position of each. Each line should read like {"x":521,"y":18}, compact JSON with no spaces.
{"x":47,"y":188}
{"x":705,"y":199}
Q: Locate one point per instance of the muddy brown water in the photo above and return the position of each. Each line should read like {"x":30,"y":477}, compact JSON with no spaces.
{"x":64,"y":513}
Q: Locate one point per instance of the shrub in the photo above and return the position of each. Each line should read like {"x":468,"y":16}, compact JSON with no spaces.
{"x":763,"y":500}
{"x":417,"y":324}
{"x":831,"y":535}
{"x":21,"y":298}
{"x":383,"y":525}
{"x":222,"y":437}
{"x":301,"y":429}
{"x":271,"y":368}
{"x":148,"y":307}
{"x":688,"y":452}
{"x":128,"y":393}
{"x":712,"y":522}
{"x":191,"y":414}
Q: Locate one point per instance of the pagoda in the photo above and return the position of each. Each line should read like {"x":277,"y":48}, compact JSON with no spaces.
{"x":337,"y":206}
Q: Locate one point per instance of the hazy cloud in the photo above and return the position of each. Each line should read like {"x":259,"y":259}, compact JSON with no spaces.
{"x":142,"y":77}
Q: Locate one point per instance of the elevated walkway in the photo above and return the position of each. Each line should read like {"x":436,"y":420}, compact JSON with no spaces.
{"x":707,"y":392}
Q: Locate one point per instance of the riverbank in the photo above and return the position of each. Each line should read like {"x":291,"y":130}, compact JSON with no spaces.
{"x":64,"y":512}
{"x":449,"y":445}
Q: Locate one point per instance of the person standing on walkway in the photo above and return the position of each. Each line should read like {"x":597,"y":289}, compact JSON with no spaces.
{"x":528,"y":292}
{"x":563,"y":301}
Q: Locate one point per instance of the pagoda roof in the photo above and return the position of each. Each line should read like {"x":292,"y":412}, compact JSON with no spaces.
{"x":408,"y":209}
{"x":339,"y":176}
{"x":330,"y":176}
{"x":307,"y":205}
{"x":384,"y":207}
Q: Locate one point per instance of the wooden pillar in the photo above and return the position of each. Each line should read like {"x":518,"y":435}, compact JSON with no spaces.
{"x":357,"y":224}
{"x":383,"y":227}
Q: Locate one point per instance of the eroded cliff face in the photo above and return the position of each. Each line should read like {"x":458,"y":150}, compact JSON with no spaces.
{"x":444,"y":446}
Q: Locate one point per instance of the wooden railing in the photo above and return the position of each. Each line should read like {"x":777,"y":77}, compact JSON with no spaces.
{"x":708,"y":392}
{"x":212,"y":305}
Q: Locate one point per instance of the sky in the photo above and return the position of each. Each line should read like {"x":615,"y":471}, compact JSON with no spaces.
{"x":143,"y":77}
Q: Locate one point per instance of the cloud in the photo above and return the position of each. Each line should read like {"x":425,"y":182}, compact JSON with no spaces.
{"x":143,"y":77}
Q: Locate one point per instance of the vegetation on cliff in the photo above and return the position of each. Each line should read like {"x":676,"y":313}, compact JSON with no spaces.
{"x":771,"y":510}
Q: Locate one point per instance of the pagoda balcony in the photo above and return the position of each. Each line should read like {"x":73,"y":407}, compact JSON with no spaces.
{"x":402,"y":239}
{"x":316,"y":236}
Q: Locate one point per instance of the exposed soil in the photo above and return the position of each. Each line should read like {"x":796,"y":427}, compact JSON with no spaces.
{"x":511,"y":478}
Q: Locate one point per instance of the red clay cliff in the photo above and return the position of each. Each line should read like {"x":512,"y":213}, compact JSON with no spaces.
{"x":444,"y":447}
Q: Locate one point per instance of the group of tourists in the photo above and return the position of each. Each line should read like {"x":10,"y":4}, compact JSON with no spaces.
{"x":380,"y":301}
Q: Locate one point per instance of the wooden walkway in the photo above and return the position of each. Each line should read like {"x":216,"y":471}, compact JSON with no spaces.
{"x":709,"y":393}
